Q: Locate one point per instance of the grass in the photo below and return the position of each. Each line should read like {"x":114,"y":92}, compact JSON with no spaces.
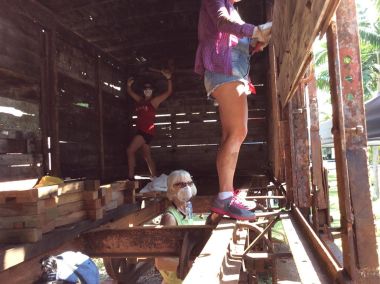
{"x":334,"y":206}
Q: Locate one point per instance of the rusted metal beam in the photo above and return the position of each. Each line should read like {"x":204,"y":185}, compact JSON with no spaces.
{"x":365,"y":257}
{"x":340,"y":150}
{"x":141,"y":241}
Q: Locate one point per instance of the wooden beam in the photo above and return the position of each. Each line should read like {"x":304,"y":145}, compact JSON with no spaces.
{"x":65,"y":7}
{"x":300,"y":149}
{"x":207,"y":266}
{"x":14,"y":255}
{"x":100,"y":107}
{"x":137,"y":218}
{"x":189,"y":37}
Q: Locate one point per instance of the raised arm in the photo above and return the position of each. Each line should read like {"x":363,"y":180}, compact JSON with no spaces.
{"x":130,"y":92}
{"x":156,"y":101}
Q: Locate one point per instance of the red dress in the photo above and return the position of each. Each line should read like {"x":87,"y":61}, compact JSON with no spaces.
{"x":146,"y":115}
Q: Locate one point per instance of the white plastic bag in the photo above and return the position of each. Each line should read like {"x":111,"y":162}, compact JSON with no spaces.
{"x":158,"y":184}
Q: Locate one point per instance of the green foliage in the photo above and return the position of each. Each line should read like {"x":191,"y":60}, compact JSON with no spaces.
{"x":369,"y":50}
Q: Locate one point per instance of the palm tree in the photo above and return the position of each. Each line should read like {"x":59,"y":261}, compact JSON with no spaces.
{"x":370,"y":57}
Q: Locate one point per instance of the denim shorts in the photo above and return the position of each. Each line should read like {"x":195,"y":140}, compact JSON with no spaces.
{"x":240,"y":69}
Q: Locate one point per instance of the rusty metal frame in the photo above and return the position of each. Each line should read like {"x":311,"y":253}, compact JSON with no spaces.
{"x":358,"y":237}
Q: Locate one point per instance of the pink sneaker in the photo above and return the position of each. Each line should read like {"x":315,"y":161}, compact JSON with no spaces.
{"x":232,"y":207}
{"x":249,"y":205}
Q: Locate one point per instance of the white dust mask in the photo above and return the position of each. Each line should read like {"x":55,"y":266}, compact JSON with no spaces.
{"x":184,"y":194}
{"x":148,"y":93}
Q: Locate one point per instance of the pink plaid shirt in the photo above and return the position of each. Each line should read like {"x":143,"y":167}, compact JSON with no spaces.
{"x":219,"y":28}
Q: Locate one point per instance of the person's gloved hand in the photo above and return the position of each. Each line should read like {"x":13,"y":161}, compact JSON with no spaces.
{"x":130,"y":81}
{"x":263,"y":32}
{"x":258,"y":46}
{"x":167,"y":74}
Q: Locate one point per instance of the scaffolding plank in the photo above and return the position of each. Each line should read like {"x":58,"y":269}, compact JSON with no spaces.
{"x":307,"y":265}
{"x":207,"y":267}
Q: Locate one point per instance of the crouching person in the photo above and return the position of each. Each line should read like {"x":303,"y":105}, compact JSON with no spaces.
{"x":69,"y":267}
{"x":181,"y":189}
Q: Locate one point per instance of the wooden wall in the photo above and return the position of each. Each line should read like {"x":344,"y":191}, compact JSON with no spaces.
{"x":92,"y":118}
{"x":20,"y":133}
{"x":73,"y":93}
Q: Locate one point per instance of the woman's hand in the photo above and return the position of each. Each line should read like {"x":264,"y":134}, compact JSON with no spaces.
{"x":130,"y":81}
{"x":263,"y":32}
{"x":167,"y":74}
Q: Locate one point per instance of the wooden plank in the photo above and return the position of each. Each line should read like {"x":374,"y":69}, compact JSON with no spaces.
{"x":95,"y":214}
{"x":35,"y":10}
{"x":12,"y":146}
{"x":307,"y":265}
{"x":70,"y":187}
{"x":91,"y":185}
{"x":300,"y":150}
{"x":99,"y":93}
{"x":20,"y":159}
{"x":207,"y":266}
{"x":69,"y":197}
{"x":75,"y":62}
{"x":15,"y":255}
{"x":20,"y":235}
{"x":23,"y":191}
{"x":20,"y":209}
{"x":20,"y":222}
{"x":17,"y":173}
{"x":232,"y":266}
{"x":27,"y":92}
{"x":306,"y":22}
{"x":71,"y":218}
{"x":51,"y":64}
{"x":139,"y":217}
{"x":124,"y":185}
{"x":71,"y":207}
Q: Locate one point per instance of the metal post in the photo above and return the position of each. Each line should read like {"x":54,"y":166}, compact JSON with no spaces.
{"x":363,"y":258}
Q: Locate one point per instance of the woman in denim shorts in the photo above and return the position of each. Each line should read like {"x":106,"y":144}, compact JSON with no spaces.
{"x":222,"y":59}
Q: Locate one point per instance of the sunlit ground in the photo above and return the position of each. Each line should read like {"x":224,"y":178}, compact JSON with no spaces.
{"x":334,"y":207}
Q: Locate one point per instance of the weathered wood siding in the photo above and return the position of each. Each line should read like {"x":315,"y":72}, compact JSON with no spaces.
{"x":295,"y":27}
{"x":20,"y":134}
{"x":92,"y":132}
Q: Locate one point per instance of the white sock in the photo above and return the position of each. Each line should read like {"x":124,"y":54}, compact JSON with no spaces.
{"x":225,"y":194}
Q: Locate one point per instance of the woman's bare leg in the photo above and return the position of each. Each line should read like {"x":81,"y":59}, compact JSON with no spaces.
{"x":135,"y":144}
{"x":233,"y":113}
{"x":148,"y":158}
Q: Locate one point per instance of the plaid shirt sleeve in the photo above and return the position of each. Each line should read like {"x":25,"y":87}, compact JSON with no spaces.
{"x":218,"y":10}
